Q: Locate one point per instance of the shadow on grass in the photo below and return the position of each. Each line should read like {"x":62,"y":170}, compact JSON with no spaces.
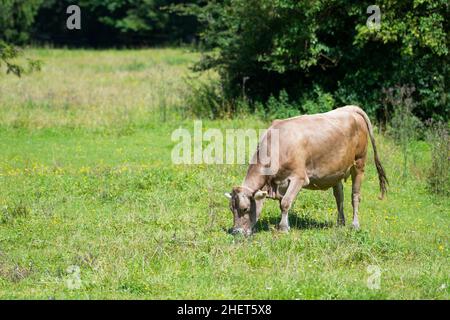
{"x":295,"y":222}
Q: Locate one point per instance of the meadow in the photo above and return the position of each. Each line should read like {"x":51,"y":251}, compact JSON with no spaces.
{"x":92,"y":207}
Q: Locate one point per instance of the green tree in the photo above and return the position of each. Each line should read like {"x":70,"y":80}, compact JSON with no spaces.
{"x":114,"y":23}
{"x":16,"y":19}
{"x":301,"y":45}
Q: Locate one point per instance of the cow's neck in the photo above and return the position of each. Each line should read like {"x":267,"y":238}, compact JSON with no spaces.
{"x":254,"y":179}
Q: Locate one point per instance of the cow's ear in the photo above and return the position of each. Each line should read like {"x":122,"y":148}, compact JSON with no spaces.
{"x":228,"y":195}
{"x":259,"y":195}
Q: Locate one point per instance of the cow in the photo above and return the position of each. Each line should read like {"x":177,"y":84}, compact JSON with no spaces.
{"x":313,"y":152}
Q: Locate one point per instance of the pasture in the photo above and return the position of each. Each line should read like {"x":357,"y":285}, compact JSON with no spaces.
{"x":91,"y":205}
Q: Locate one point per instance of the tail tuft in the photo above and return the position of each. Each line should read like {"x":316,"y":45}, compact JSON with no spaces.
{"x":381,"y":173}
{"x":382,"y":178}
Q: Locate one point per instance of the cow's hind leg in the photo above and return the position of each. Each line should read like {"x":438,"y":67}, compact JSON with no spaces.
{"x":285,"y":204}
{"x":338,"y":192}
{"x":357,"y":176}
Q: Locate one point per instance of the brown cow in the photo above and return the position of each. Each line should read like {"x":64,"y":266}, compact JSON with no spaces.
{"x":313,"y":152}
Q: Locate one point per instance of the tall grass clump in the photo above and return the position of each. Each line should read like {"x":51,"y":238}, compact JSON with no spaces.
{"x":403,"y":126}
{"x":438,"y":177}
{"x":208,"y":99}
{"x":9,"y":213}
{"x":280,"y":107}
{"x":205,"y":99}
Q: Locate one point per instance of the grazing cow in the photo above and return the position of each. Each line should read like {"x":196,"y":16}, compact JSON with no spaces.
{"x":313,"y":152}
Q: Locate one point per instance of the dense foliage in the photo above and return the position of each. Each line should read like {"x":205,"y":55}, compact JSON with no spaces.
{"x":103,"y":23}
{"x":16,"y":19}
{"x":302,"y":47}
{"x":288,"y":56}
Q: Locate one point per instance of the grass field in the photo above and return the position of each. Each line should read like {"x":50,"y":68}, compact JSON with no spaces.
{"x":92,"y":207}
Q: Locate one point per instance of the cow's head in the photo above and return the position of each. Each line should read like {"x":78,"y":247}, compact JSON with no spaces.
{"x":246,"y":207}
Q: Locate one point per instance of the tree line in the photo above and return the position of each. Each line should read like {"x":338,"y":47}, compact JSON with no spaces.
{"x":311,"y":56}
{"x":113,"y":23}
{"x":290,"y":55}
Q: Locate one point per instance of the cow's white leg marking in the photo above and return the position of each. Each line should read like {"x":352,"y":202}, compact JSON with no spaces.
{"x":338,"y":192}
{"x":293,"y":189}
{"x":357,"y":176}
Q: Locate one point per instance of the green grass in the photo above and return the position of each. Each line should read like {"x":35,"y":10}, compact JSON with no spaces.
{"x":86,"y":180}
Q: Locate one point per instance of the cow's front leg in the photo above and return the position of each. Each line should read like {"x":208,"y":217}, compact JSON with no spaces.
{"x":294,"y":188}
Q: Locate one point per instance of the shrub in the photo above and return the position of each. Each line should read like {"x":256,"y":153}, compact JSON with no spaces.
{"x":317,"y":101}
{"x":208,"y":99}
{"x":312,"y":102}
{"x":439,"y":172}
{"x":280,"y":108}
{"x":205,"y":99}
{"x":404,"y":127}
{"x":299,"y":45}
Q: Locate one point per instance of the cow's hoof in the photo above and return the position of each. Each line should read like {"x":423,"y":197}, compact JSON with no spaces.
{"x":283,"y":229}
{"x":340,"y":223}
{"x":355,"y":225}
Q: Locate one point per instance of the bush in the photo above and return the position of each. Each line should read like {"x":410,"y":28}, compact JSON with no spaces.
{"x":205,"y":99}
{"x":439,"y":172}
{"x":280,"y":108}
{"x":298,"y":46}
{"x":317,"y":101}
{"x":312,"y":102}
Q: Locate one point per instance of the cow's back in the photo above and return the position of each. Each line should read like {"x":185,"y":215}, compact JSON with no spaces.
{"x":324,"y":146}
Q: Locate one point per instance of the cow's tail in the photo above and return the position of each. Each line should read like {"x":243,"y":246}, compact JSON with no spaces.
{"x":381,"y":173}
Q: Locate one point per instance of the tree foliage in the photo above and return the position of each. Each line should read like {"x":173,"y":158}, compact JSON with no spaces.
{"x":104,"y":23}
{"x":115,"y":23}
{"x":8,"y":56}
{"x":16,"y":19}
{"x":301,"y":45}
